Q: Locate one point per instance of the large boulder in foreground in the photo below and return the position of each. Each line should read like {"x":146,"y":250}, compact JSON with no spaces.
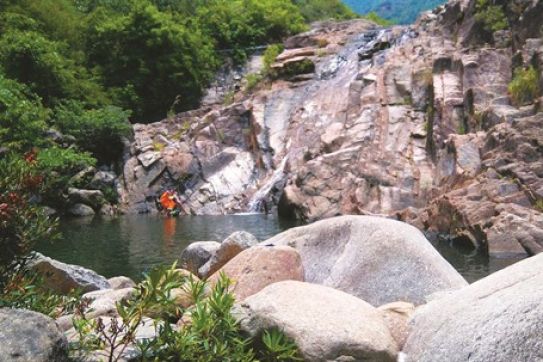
{"x":326,"y":324}
{"x":230,"y":247}
{"x":197,"y":254}
{"x":29,"y":336}
{"x":63,"y":278}
{"x":499,"y":318}
{"x":376,"y":259}
{"x":255,"y":268}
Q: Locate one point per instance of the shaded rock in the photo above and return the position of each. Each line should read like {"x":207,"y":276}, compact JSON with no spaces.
{"x":30,"y":336}
{"x":93,"y":198}
{"x":121,"y":282}
{"x":397,"y":316}
{"x":259,"y":266}
{"x":81,"y":210}
{"x":377,"y":259}
{"x":63,"y":278}
{"x":103,"y":179}
{"x":325,"y":324}
{"x":104,"y":302}
{"x":197,"y":254}
{"x":230,"y":247}
{"x":499,"y":318}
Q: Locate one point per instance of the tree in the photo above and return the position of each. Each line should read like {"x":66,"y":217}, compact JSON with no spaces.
{"x":149,"y":60}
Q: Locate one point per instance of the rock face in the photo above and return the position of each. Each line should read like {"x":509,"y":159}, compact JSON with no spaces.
{"x":499,"y":318}
{"x":63,"y":278}
{"x":326,"y":324}
{"x":376,"y":259}
{"x":230,"y":247}
{"x":411,"y":122}
{"x":255,"y":268}
{"x":197,"y":254}
{"x":30,"y":336}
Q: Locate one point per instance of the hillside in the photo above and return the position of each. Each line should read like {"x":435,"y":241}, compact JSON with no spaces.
{"x":436,"y":124}
{"x":398,"y":11}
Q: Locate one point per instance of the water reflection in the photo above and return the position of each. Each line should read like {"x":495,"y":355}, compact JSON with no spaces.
{"x":470,"y":262}
{"x":132,"y":244}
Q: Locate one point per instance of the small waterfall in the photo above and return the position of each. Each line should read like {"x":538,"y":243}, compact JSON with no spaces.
{"x":260,"y":197}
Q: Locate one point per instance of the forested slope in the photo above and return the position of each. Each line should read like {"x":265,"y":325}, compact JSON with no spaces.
{"x":75,"y":73}
{"x":399,"y":11}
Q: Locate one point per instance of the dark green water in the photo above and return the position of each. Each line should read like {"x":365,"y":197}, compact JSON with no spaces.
{"x":130,"y":245}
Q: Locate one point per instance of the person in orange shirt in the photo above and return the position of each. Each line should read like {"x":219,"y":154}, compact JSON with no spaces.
{"x":169,"y":201}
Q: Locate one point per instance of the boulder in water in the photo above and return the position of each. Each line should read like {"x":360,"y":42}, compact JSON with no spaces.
{"x":498,"y":318}
{"x":197,"y":254}
{"x":81,"y":210}
{"x":230,"y":247}
{"x":376,"y":259}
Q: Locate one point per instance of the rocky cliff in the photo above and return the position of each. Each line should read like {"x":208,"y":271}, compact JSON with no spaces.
{"x":415,"y":123}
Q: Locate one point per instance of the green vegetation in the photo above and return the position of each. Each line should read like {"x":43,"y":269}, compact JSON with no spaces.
{"x":490,"y":15}
{"x":324,"y":9}
{"x":397,"y":11}
{"x":209,"y":331}
{"x":22,"y":222}
{"x":373,"y":16}
{"x":26,"y":290}
{"x":88,"y":67}
{"x":524,"y":88}
{"x":252,"y":80}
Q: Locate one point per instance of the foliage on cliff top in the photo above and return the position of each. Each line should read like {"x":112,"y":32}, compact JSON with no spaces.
{"x":397,"y":11}
{"x":491,"y":15}
{"x":139,"y":55}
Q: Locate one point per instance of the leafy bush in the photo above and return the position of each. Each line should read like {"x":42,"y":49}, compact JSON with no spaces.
{"x":524,"y":87}
{"x":96,"y":130}
{"x":208,"y":332}
{"x":22,"y":223}
{"x":25,"y":289}
{"x":22,"y":117}
{"x":491,"y":16}
{"x":270,"y":54}
{"x":60,"y":165}
{"x":252,"y":79}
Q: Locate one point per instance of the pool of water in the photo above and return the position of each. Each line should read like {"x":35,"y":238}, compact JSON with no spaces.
{"x":132,"y":244}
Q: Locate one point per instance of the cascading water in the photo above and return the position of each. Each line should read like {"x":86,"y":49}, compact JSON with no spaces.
{"x":258,"y":202}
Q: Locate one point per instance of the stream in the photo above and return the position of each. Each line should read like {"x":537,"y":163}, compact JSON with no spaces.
{"x":132,"y":244}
